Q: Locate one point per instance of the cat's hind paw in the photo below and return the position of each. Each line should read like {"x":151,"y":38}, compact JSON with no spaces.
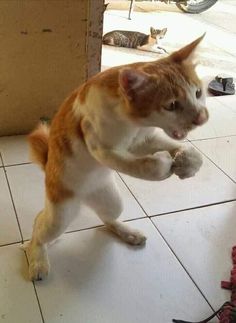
{"x":38,"y":270}
{"x":126,"y":233}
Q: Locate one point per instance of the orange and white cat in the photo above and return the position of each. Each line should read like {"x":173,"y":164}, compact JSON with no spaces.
{"x":121,"y":119}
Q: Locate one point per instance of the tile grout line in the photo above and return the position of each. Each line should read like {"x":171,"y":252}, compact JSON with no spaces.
{"x":211,"y":138}
{"x":193,"y":208}
{"x":35,"y":291}
{"x":39,"y":305}
{"x":227,"y":105}
{"x":78,"y":230}
{"x":182,"y":265}
{"x":214,"y":163}
{"x":176,"y":211}
{"x":22,"y":239}
{"x":133,"y":219}
{"x":133,"y":195}
{"x":10,"y":244}
{"x":13,"y":204}
{"x":18,"y":164}
{"x":84,"y":229}
{"x":101,"y":225}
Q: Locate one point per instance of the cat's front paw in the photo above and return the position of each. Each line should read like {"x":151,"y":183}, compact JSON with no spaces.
{"x":158,"y":166}
{"x":160,"y":50}
{"x":187,"y":162}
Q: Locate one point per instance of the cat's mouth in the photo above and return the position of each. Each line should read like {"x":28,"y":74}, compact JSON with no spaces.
{"x":178,"y":134}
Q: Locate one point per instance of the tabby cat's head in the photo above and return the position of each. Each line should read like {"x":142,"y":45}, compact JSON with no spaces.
{"x":157,"y":33}
{"x":166,"y":93}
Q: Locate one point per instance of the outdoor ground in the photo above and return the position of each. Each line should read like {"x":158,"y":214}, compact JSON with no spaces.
{"x":217,"y":53}
{"x":190,"y":225}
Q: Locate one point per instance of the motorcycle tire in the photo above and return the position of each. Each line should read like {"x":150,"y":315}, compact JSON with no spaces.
{"x":198,"y":7}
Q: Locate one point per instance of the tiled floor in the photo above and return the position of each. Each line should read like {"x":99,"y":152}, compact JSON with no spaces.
{"x":190,"y":227}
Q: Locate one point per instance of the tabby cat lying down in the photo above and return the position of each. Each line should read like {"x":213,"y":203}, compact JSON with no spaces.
{"x":135,"y":39}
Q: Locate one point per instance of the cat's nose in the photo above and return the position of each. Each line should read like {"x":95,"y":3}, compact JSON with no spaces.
{"x":201,"y":117}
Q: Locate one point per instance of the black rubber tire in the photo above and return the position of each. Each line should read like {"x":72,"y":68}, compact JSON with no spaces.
{"x":196,"y":8}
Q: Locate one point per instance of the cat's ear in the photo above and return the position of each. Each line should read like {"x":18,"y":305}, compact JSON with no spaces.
{"x":131,"y":81}
{"x":185,"y":54}
{"x":163,"y":32}
{"x":105,"y":6}
{"x":153,"y":31}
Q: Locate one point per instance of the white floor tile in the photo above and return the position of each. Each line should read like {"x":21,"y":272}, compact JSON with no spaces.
{"x":26,"y":183}
{"x":14,"y":150}
{"x":9,"y":231}
{"x":27,"y":186}
{"x":18,"y":301}
{"x":221,"y":122}
{"x":96,"y":278}
{"x":229,"y":101}
{"x":221,"y":151}
{"x":208,"y":186}
{"x":202,"y":239}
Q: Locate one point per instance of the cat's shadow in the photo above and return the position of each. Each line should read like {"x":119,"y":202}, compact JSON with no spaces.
{"x":81,"y":263}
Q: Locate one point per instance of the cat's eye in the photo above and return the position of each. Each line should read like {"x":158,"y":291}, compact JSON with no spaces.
{"x":172,"y":106}
{"x":198,"y":93}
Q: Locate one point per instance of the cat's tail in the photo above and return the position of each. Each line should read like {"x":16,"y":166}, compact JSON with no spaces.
{"x":38,"y":141}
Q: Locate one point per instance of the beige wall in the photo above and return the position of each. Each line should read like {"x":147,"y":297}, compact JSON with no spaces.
{"x":48,"y":48}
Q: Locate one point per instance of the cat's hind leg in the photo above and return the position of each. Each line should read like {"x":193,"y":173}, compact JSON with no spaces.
{"x":49,"y":225}
{"x":107,"y":203}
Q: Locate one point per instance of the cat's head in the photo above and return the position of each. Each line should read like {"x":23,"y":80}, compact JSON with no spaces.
{"x":166,"y":93}
{"x":157,"y":33}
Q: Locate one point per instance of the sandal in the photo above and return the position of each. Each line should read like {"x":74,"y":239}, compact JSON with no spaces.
{"x":222,"y":86}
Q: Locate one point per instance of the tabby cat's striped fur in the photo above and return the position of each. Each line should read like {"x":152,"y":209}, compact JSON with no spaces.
{"x":133,"y":39}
